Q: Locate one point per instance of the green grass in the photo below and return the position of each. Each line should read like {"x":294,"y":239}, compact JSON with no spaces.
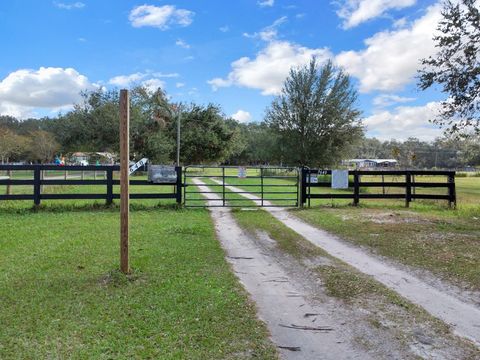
{"x":62,"y":297}
{"x":443,"y":241}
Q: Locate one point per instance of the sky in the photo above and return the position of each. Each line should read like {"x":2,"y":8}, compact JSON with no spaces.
{"x":232,"y":53}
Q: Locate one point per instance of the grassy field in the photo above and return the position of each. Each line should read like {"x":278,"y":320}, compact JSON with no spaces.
{"x":62,"y":296}
{"x":428,"y":235}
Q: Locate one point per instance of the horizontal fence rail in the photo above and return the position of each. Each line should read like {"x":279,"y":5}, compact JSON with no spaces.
{"x":355,"y":185}
{"x":38,"y":181}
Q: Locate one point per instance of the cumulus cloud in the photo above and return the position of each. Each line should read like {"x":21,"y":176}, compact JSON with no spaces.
{"x":355,"y":12}
{"x":391,"y":58}
{"x":242,"y":116}
{"x":268,"y":33}
{"x":150,"y":80}
{"x":404,"y":122}
{"x":268,"y":70}
{"x":161,"y":17}
{"x":25,"y":90}
{"x":70,"y":6}
{"x":153,"y":84}
{"x":224,"y":29}
{"x":182,"y":44}
{"x":386,"y":100}
{"x":266,"y":3}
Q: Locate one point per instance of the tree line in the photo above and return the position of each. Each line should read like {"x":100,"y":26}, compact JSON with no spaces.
{"x":313,"y":122}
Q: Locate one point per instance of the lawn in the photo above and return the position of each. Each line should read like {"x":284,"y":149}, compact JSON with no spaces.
{"x":62,"y":296}
{"x":428,"y":235}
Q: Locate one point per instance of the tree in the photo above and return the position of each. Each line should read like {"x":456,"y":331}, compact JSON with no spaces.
{"x":456,"y":67}
{"x":206,"y":135}
{"x":315,"y":115}
{"x":43,"y":146}
{"x":10,"y":144}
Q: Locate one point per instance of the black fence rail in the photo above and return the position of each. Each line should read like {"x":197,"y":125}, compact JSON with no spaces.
{"x":356,"y":186}
{"x":109,"y":182}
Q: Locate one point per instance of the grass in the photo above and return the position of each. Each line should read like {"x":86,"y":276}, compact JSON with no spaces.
{"x":381,"y":306}
{"x":62,"y":297}
{"x":442,"y":241}
{"x":428,"y":235}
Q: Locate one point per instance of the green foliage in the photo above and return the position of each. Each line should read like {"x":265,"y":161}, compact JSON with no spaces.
{"x":259,"y":145}
{"x":456,"y":67}
{"x":315,"y":115}
{"x":206,"y":137}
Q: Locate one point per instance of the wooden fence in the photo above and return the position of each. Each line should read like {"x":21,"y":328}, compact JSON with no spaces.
{"x":109,"y":182}
{"x":356,"y":186}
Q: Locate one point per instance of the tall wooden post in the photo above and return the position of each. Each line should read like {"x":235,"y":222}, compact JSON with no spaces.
{"x":124,"y":184}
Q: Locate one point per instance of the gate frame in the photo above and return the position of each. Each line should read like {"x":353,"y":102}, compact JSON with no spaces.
{"x":262,"y":185}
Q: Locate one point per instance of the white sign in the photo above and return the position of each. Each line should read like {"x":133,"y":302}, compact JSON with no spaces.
{"x":242,"y":172}
{"x":138,"y":165}
{"x":339,"y":179}
{"x":312,"y":179}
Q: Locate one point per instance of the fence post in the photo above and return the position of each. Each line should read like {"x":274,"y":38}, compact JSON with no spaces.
{"x":179,"y":184}
{"x":452,"y":196}
{"x":36,"y":185}
{"x":9,"y":187}
{"x":356,"y":188}
{"x":109,"y":173}
{"x":303,"y":186}
{"x":408,"y":189}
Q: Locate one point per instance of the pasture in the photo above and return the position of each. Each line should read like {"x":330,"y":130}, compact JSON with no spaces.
{"x":62,"y":295}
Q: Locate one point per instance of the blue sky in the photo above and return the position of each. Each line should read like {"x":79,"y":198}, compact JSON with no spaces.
{"x":232,"y":53}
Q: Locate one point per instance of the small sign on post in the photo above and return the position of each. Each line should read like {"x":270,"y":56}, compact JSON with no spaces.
{"x":242,"y":172}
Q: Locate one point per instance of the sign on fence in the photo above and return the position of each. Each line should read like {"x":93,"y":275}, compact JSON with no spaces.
{"x":242,"y":172}
{"x":138,"y":165}
{"x":162,"y":174}
{"x":339,"y":179}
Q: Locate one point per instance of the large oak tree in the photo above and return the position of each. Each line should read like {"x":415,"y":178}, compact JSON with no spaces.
{"x":315,"y":115}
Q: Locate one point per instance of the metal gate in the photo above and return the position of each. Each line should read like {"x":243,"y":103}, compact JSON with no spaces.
{"x":244,"y":186}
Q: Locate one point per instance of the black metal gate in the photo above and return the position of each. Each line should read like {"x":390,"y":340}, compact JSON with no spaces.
{"x":244,"y":186}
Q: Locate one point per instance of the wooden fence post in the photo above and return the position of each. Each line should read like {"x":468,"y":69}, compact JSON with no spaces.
{"x":9,"y":187}
{"x":452,"y":197}
{"x":36,"y":185}
{"x":109,"y":177}
{"x":408,"y":189}
{"x":356,"y":188}
{"x":124,"y":182}
{"x":178,"y":191}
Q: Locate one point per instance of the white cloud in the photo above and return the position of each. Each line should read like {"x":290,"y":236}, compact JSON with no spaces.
{"x":148,"y":79}
{"x":404,"y":122}
{"x":392,"y":58}
{"x":179,"y":85}
{"x":386,"y":100}
{"x":25,"y":90}
{"x":225,"y":28}
{"x":355,"y":12}
{"x":126,"y":80}
{"x":242,"y":116}
{"x":270,"y":67}
{"x":162,"y":17}
{"x":70,"y":6}
{"x":265,"y":3}
{"x":153,"y":84}
{"x":182,"y":43}
{"x":268,"y":33}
